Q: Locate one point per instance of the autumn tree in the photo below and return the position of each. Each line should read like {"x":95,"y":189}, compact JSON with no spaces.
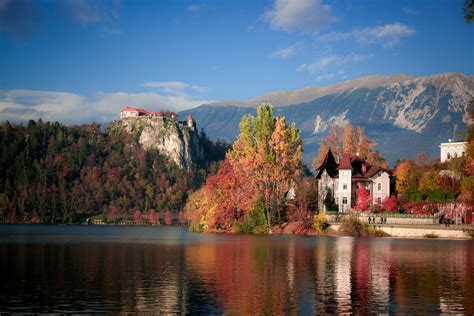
{"x":364,"y":199}
{"x":390,"y":203}
{"x":268,"y":152}
{"x":350,"y":139}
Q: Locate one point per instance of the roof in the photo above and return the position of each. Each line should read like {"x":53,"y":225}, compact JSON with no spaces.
{"x":190,"y":118}
{"x":345,"y":162}
{"x":362,"y":170}
{"x":130,"y":109}
{"x":329,"y":164}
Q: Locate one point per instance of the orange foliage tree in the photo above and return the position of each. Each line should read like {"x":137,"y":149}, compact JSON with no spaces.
{"x":351,"y":139}
{"x":260,"y":168}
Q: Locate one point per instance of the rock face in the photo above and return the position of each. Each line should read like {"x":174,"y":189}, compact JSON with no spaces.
{"x":404,"y":114}
{"x":178,"y":142}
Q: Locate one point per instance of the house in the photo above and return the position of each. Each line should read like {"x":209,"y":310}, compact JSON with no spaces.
{"x":344,"y":178}
{"x":132,"y":112}
{"x":452,"y":150}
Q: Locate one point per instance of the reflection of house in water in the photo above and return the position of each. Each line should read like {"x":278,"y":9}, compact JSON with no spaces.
{"x":343,"y":274}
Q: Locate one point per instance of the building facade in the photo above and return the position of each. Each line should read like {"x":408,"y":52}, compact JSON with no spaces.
{"x":452,"y":150}
{"x":344,"y":178}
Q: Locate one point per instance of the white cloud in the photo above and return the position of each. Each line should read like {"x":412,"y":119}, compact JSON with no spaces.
{"x":174,"y":87}
{"x":298,"y":15}
{"x":325,"y":77}
{"x":287,"y":52}
{"x":388,"y":34}
{"x":22,"y":105}
{"x":410,"y":11}
{"x":333,"y":60}
{"x":200,"y":8}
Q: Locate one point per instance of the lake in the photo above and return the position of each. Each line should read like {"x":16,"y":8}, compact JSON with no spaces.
{"x":93,"y":269}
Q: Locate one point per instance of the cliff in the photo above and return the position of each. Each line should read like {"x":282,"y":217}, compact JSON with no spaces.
{"x":181,"y":144}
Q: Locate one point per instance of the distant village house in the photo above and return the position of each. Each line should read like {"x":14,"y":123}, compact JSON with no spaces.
{"x":451,"y":150}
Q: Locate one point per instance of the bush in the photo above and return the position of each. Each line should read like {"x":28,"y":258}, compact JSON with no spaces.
{"x":351,"y":226}
{"x":430,"y":235}
{"x":320,"y":223}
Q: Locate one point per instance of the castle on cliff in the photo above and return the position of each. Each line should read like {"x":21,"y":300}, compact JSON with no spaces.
{"x":128,"y":112}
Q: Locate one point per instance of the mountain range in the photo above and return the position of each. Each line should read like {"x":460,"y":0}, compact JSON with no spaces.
{"x":403,"y":114}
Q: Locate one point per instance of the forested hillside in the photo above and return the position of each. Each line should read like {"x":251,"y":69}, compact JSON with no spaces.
{"x":51,"y":173}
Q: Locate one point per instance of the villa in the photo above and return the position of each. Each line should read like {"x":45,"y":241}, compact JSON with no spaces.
{"x":342,"y":180}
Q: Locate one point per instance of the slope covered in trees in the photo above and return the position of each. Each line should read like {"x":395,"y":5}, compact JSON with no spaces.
{"x":51,"y":173}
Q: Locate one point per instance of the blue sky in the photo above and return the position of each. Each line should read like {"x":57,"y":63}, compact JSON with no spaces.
{"x":91,"y":58}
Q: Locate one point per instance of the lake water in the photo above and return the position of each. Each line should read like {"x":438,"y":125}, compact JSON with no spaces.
{"x":170,"y":270}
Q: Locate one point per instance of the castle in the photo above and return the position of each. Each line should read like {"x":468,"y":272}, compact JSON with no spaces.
{"x":128,"y":112}
{"x":342,"y":180}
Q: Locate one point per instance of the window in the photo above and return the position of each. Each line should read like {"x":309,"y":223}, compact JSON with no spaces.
{"x":344,"y":200}
{"x":344,"y":186}
{"x":449,"y":156}
{"x":379,"y":186}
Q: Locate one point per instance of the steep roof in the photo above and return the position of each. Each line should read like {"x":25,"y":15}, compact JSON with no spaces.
{"x":345,"y":162}
{"x":329,"y":164}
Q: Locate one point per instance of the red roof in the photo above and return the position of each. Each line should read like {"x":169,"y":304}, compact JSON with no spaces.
{"x":190,"y":118}
{"x":345,"y":162}
{"x":130,"y":109}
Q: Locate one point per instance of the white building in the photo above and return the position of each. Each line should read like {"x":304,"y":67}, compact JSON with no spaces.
{"x":132,"y":112}
{"x":344,"y":178}
{"x":452,"y":150}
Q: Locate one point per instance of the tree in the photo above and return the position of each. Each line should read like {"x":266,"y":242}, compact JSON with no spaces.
{"x":364,"y":199}
{"x":468,"y":10}
{"x":137,"y":216}
{"x":267,"y":153}
{"x":329,"y":202}
{"x":390,"y":204}
{"x":401,"y":172}
{"x":349,"y":139}
{"x":152,"y":216}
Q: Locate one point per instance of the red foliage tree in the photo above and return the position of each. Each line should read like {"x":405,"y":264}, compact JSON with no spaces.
{"x":182,"y":218}
{"x":152,"y":216}
{"x":390,"y":204}
{"x":168,"y":217}
{"x":137,"y":216}
{"x":363,"y":199}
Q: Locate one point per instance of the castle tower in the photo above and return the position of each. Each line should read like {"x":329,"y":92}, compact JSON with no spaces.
{"x":344,"y":186}
{"x":190,"y":122}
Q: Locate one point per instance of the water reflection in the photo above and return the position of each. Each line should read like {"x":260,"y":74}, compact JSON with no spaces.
{"x":172,"y":271}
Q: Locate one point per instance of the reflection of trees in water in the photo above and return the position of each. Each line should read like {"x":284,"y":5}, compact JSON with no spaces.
{"x":242,"y":275}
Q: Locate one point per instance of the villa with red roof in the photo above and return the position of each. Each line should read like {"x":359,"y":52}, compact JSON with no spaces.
{"x":344,"y":178}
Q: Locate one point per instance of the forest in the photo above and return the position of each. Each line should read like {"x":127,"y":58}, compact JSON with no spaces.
{"x":52,"y":173}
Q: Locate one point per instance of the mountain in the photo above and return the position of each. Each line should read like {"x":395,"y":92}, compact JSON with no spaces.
{"x":403,"y":114}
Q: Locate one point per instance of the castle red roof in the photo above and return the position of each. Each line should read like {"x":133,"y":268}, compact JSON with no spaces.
{"x":190,"y":118}
{"x":130,"y":109}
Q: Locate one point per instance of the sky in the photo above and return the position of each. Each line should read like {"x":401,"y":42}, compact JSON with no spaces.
{"x":79,"y":61}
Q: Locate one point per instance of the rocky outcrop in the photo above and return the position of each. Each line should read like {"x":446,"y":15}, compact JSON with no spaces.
{"x":179,"y":143}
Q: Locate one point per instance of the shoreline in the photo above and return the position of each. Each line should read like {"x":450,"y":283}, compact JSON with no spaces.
{"x":393,"y":231}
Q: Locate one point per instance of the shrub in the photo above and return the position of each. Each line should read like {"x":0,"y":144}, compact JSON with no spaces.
{"x":320,"y":223}
{"x":430,"y":235}
{"x":353,"y":227}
